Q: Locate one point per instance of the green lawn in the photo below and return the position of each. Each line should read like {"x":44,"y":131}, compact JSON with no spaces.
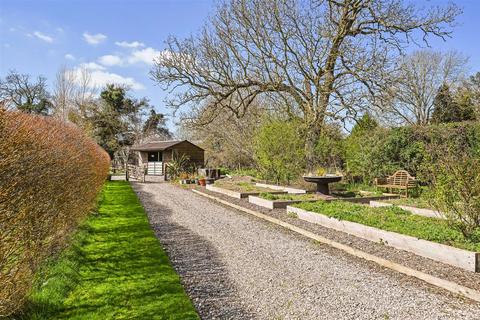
{"x":396,"y":220}
{"x":114,"y":269}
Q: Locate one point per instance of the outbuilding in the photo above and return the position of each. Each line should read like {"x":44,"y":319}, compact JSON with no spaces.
{"x":155,"y":156}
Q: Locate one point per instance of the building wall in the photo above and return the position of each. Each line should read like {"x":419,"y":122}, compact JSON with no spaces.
{"x":195,"y":154}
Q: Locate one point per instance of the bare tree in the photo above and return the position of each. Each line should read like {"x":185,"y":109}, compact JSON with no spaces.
{"x":64,"y":95}
{"x":410,"y":98}
{"x":226,"y":139}
{"x":324,"y":56}
{"x":74,"y":97}
{"x":18,"y":92}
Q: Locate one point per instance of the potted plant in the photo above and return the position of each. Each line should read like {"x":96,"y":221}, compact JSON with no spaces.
{"x":202,"y":181}
{"x":184,"y":178}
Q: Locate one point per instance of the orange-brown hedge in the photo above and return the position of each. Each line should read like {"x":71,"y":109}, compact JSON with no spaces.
{"x":50,"y":175}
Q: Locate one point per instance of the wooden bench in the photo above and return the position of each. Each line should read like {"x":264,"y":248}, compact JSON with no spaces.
{"x":400,"y":180}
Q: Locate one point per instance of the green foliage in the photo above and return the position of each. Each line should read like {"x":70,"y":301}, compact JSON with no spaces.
{"x":252,"y":172}
{"x":115,"y":119}
{"x":114,"y":269}
{"x":383,"y":151}
{"x":178,"y":165}
{"x":396,"y":220}
{"x":452,"y":109}
{"x":329,"y":151}
{"x":456,"y":191}
{"x":155,"y":125}
{"x":279,"y":150}
{"x":359,"y":147}
{"x":288,"y":196}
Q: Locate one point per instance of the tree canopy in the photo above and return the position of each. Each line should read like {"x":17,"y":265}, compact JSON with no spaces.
{"x":321,"y":58}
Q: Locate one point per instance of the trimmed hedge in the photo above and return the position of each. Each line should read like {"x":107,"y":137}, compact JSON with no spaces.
{"x":50,"y":176}
{"x":380,"y":152}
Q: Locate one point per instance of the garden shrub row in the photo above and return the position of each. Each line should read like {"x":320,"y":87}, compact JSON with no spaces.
{"x":396,"y":220}
{"x":50,"y":176}
{"x":379,"y":151}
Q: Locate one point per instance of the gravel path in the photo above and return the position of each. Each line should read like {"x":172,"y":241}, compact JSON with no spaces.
{"x":438,"y":269}
{"x":234,"y":266}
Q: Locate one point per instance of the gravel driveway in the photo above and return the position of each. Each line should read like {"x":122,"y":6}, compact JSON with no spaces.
{"x":234,"y":266}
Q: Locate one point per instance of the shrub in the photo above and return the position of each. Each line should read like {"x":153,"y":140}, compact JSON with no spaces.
{"x":279,"y":150}
{"x":178,"y":165}
{"x":382,"y":151}
{"x":456,"y":191}
{"x":51,"y":174}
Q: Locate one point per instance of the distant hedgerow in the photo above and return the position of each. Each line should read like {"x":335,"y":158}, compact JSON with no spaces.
{"x":50,"y":176}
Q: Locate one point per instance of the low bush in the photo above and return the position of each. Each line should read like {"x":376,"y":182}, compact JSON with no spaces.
{"x":456,"y":191}
{"x":51,"y":174}
{"x":396,"y":220}
{"x":279,"y":150}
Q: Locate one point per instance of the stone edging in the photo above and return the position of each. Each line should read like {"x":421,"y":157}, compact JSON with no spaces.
{"x":464,"y":259}
{"x":274,"y":204}
{"x":428,"y":278}
{"x":281,"y":188}
{"x":236,"y":194}
{"x":419,"y":211}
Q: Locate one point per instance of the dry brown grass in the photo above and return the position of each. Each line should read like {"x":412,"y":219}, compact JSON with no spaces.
{"x":50,"y":175}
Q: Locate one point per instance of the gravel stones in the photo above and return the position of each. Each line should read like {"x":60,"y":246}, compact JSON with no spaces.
{"x":234,"y":266}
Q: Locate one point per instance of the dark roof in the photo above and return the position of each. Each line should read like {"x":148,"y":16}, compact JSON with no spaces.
{"x":160,"y":145}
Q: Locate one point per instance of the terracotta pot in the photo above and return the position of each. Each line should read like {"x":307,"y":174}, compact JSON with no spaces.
{"x":202,"y":182}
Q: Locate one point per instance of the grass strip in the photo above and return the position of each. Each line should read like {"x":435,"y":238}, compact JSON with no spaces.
{"x":240,"y":186}
{"x":421,"y":203}
{"x":289,"y":196}
{"x":396,"y":220}
{"x":115,"y":268}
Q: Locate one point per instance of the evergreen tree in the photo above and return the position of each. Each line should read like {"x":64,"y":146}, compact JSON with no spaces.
{"x":116,"y":119}
{"x":155,"y":126}
{"x":451,"y":109}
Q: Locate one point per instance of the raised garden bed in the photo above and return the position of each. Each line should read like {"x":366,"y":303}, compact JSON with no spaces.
{"x":415,"y":210}
{"x":272,"y":201}
{"x":240,"y":191}
{"x":281,"y":188}
{"x":420,"y":203}
{"x":428,"y":237}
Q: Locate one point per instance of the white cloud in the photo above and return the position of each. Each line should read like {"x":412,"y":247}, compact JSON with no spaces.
{"x":110,"y":60}
{"x":146,"y":55}
{"x":69,"y":56}
{"x":133,"y":44}
{"x":92,"y":66}
{"x":43,"y":37}
{"x":94,"y":38}
{"x":100,"y":78}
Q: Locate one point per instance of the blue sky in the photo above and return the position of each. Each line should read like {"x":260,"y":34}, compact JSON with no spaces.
{"x":117,"y":39}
